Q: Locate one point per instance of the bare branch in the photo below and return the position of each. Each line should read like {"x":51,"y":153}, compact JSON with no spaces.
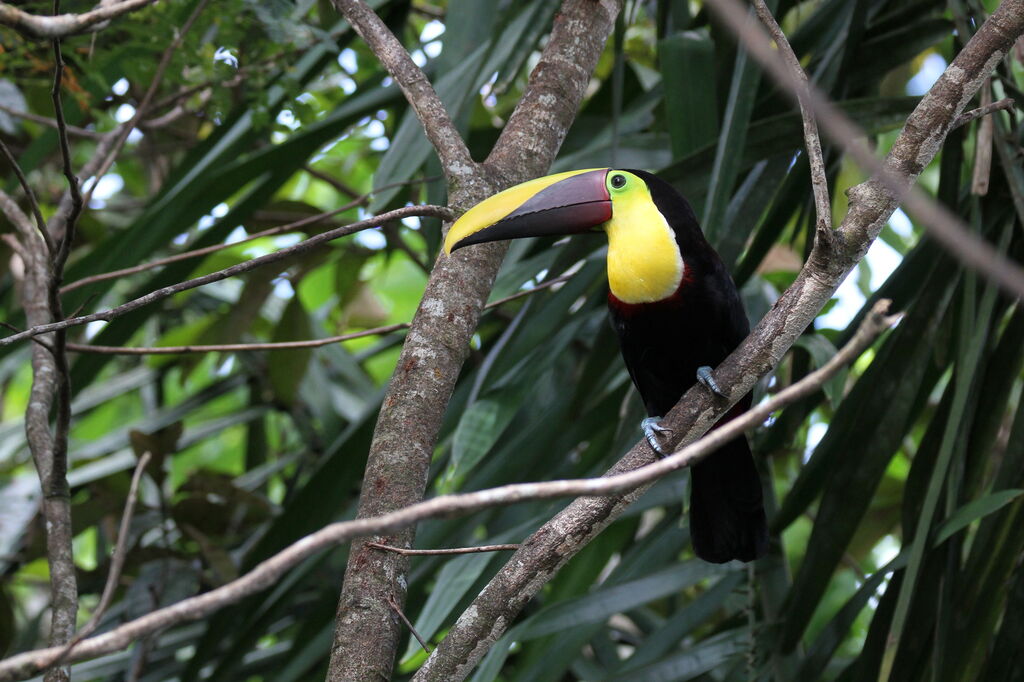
{"x":455,"y":158}
{"x":537,"y":127}
{"x":30,"y":195}
{"x":32,"y":26}
{"x":284,"y":345}
{"x":433,"y":552}
{"x":50,"y":123}
{"x":401,"y":614}
{"x":160,"y":294}
{"x":116,"y":562}
{"x":1005,"y":104}
{"x":70,"y":219}
{"x":268,"y":572}
{"x":819,"y":181}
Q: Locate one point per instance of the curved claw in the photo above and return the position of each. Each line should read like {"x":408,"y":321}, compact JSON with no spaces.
{"x":653,"y":432}
{"x":704,"y":377}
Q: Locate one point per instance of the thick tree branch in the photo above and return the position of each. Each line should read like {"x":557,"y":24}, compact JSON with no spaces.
{"x":557,"y":84}
{"x":455,"y":159}
{"x":32,"y":26}
{"x":366,"y":636}
{"x":271,"y":570}
{"x":160,"y":294}
{"x":831,"y":260}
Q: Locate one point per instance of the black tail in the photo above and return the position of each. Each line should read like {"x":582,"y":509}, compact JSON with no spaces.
{"x":727,"y":518}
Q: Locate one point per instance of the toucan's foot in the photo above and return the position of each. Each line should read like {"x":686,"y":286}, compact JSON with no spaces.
{"x":654,"y":432}
{"x":704,"y":377}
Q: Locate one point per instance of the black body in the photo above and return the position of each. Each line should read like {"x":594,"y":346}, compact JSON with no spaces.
{"x":663,"y":344}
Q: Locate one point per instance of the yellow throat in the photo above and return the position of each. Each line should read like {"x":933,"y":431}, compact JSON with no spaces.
{"x":644,"y":263}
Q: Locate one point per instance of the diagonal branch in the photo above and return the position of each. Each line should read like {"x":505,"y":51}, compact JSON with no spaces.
{"x":286,"y":345}
{"x":819,"y":181}
{"x":537,"y":127}
{"x":32,"y":26}
{"x":830,"y":261}
{"x":268,"y":572}
{"x":160,"y":294}
{"x":455,"y":158}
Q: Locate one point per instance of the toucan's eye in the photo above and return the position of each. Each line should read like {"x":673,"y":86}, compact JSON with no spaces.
{"x":618,"y":181}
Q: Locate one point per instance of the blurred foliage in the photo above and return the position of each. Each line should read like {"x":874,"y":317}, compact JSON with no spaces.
{"x":923,"y":439}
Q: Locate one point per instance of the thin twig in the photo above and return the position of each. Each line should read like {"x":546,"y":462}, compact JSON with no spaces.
{"x":27,"y":188}
{"x":268,"y":572}
{"x":60,"y":254}
{"x":195,"y":253}
{"x":51,"y":123}
{"x":819,"y":181}
{"x":160,"y":294}
{"x":116,"y":561}
{"x":1005,"y":104}
{"x":398,"y":609}
{"x":284,"y":345}
{"x":453,"y":550}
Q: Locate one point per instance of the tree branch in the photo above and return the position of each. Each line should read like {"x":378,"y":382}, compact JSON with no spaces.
{"x":437,"y":124}
{"x":160,"y":294}
{"x":537,"y":127}
{"x":32,"y":26}
{"x":830,"y":261}
{"x":285,"y":345}
{"x":366,"y":637}
{"x":819,"y":181}
{"x":268,"y":572}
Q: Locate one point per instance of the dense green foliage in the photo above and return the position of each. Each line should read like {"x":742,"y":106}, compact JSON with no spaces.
{"x":923,"y":437}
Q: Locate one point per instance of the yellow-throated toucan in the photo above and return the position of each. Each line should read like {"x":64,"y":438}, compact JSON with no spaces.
{"x":674,"y":306}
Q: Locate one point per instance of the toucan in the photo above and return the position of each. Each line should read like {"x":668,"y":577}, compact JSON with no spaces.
{"x":675,"y":308}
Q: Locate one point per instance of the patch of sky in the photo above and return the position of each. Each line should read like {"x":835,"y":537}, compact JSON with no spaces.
{"x":374,"y":128}
{"x":433,"y":50}
{"x":225,"y":55}
{"x":124,"y":113}
{"x":412,"y":222}
{"x":418,"y":58}
{"x":106,"y":187}
{"x":387,"y":81}
{"x":120,"y":87}
{"x":901,"y":225}
{"x":236,"y":235}
{"x":287,"y":119}
{"x":931,"y":68}
{"x":94,"y":328}
{"x":433,"y":30}
{"x":348,"y":86}
{"x":220,"y":210}
{"x":371,"y":239}
{"x":380,"y":144}
{"x":134,"y":136}
{"x":815,"y":432}
{"x":347,"y":60}
{"x":283,"y":288}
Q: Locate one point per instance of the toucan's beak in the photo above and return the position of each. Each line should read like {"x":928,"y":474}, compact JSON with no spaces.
{"x":561,"y":204}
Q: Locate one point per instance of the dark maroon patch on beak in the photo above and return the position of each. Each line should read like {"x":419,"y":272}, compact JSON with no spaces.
{"x":576,"y":204}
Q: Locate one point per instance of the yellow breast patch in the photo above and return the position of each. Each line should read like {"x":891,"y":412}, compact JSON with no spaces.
{"x":644,"y":263}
